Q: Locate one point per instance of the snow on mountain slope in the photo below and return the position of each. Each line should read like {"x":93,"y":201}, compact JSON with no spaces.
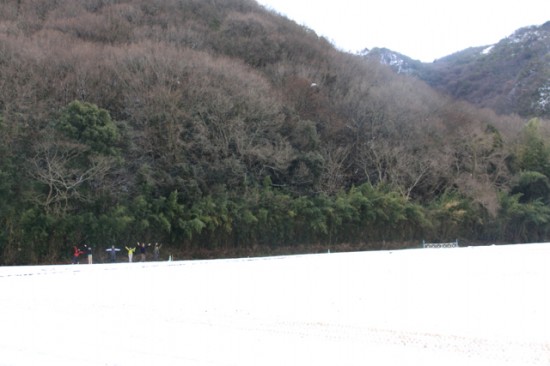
{"x":465,"y":306}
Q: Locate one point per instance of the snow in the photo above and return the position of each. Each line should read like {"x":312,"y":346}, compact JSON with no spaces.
{"x":544,"y":97}
{"x":487,"y":50}
{"x":462,"y":306}
{"x":527,"y":34}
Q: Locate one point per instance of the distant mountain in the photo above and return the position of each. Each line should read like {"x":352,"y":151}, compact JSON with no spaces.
{"x":398,"y":62}
{"x":511,"y":76}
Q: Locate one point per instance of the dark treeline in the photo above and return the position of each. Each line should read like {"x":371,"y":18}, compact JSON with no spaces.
{"x":217,"y":125}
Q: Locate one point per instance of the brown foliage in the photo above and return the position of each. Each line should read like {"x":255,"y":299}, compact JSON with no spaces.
{"x":222,"y":92}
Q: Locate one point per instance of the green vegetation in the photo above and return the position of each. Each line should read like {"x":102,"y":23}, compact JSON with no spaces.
{"x":219,"y":128}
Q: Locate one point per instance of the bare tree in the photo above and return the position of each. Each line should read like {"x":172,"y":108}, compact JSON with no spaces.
{"x":59,"y":167}
{"x":336,"y":167}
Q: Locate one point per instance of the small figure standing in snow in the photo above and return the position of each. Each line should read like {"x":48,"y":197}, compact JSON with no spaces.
{"x":156,"y":251}
{"x":142,"y":248}
{"x":113,"y":251}
{"x":130,"y":253}
{"x":88,"y":249}
{"x":77,"y":252}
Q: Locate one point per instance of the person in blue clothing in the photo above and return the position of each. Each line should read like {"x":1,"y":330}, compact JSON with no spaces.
{"x":112,"y":253}
{"x":142,"y":249}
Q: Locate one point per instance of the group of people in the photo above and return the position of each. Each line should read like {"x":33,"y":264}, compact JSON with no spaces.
{"x":77,"y":252}
{"x":142,"y":247}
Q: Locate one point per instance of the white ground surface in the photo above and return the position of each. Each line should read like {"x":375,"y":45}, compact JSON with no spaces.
{"x":467,"y":306}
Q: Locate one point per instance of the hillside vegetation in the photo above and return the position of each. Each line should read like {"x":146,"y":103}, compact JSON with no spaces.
{"x":510,"y":77}
{"x":215,"y":125}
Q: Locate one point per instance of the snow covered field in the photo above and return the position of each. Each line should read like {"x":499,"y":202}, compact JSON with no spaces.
{"x":464,"y":306}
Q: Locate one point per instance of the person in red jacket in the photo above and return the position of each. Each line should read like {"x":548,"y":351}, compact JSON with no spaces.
{"x":77,"y":252}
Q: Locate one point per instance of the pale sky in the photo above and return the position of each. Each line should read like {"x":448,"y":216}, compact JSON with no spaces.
{"x":424,"y":30}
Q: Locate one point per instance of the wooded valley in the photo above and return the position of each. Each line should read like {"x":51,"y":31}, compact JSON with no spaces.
{"x":219,"y":128}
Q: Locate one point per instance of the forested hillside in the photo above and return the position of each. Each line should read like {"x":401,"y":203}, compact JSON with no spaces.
{"x":511,"y":76}
{"x":215,"y":125}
